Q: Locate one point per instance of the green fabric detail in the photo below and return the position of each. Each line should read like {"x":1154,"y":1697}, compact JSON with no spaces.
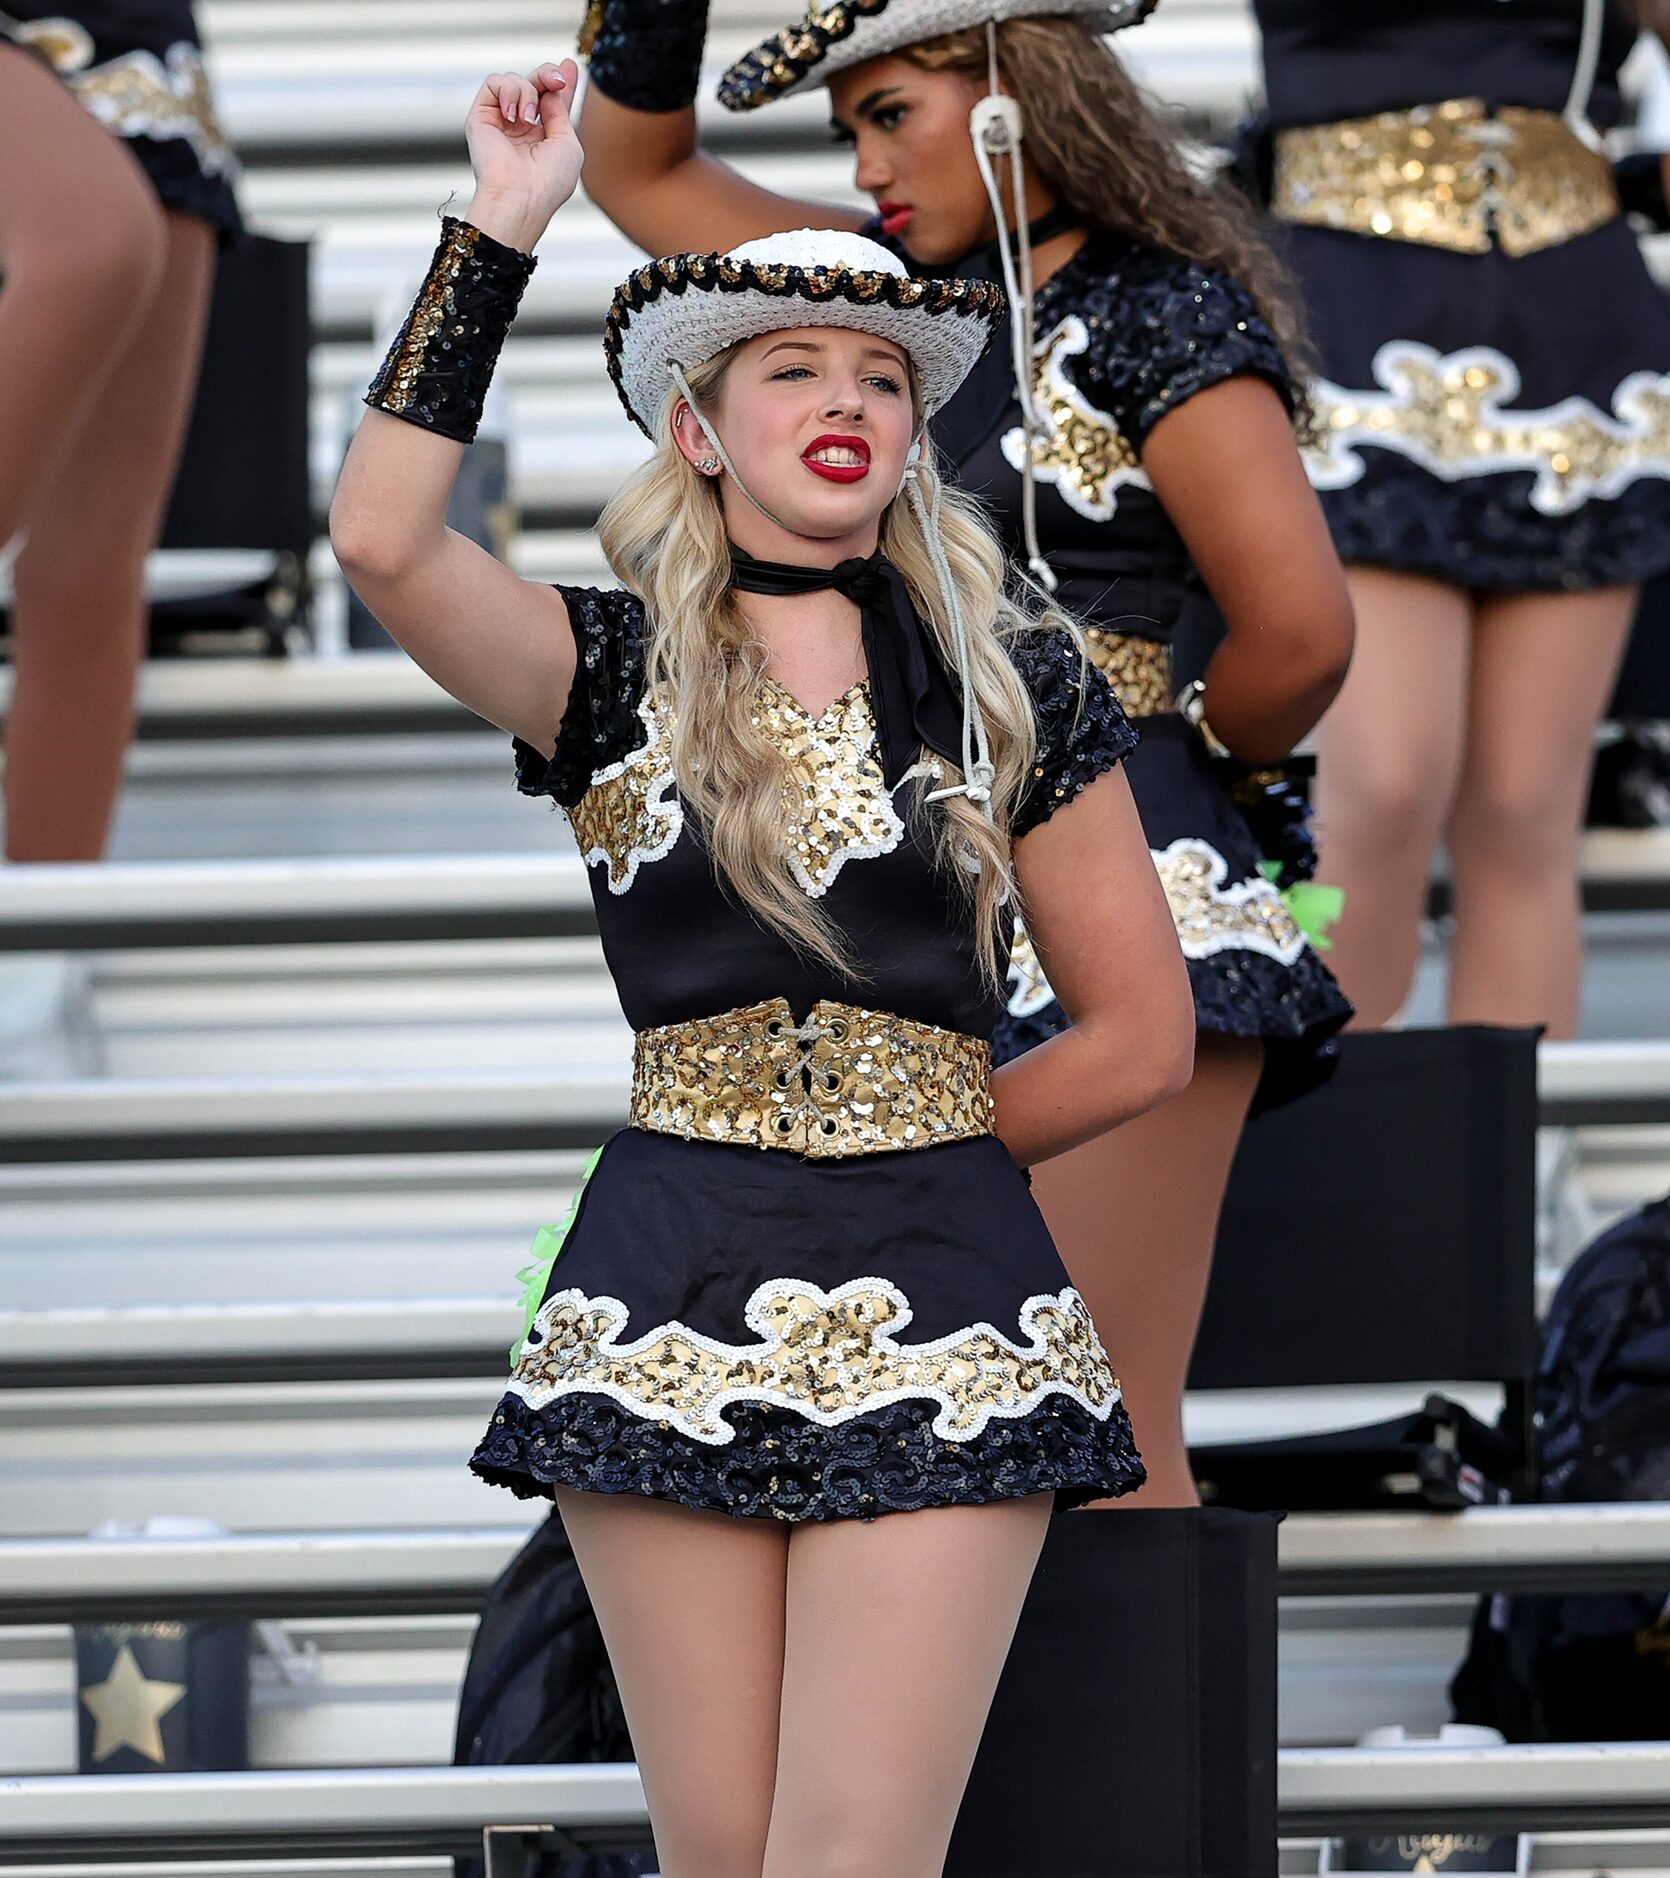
{"x":548,"y":1242}
{"x":1312,"y":906}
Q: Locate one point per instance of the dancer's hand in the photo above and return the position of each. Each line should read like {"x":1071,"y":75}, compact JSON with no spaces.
{"x":524,"y":151}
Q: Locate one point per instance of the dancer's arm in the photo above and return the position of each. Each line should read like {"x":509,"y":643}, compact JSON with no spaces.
{"x":644,"y":168}
{"x":498,"y":643}
{"x":1105,"y":937}
{"x":1228,"y":473}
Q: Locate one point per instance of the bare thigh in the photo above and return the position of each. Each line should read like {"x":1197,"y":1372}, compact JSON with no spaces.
{"x":81,"y":244}
{"x":80,"y":613}
{"x":1544,"y":665}
{"x":1388,"y":758}
{"x":1135,"y":1216}
{"x":896,"y":1633}
{"x":692,"y":1609}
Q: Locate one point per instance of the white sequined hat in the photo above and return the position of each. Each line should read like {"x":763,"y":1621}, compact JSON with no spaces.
{"x":837,"y":33}
{"x":685,"y":308}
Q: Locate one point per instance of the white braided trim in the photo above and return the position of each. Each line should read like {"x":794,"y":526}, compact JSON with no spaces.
{"x":690,"y":327}
{"x":903,"y":23}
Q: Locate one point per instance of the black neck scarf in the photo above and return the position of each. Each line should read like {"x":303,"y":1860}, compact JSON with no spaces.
{"x":912,"y":696}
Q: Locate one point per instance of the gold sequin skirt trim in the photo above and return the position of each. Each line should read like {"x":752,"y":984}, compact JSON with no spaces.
{"x":1139,"y":670}
{"x":1455,"y":175}
{"x":847,"y":1081}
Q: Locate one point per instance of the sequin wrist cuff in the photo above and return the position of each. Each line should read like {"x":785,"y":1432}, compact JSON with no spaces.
{"x":646,"y":54}
{"x":440,"y":365}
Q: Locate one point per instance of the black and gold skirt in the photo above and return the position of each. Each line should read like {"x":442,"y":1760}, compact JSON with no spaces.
{"x":1253,"y":972}
{"x":1493,"y":399}
{"x":774,"y":1336}
{"x":137,"y":67}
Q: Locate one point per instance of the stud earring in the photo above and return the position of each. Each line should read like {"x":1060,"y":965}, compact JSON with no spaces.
{"x":709,"y":465}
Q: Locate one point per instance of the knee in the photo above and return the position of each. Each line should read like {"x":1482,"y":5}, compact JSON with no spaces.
{"x":1512,"y":826}
{"x":852,"y":1847}
{"x":710,"y":1848}
{"x":103,"y":261}
{"x":1391,"y":808}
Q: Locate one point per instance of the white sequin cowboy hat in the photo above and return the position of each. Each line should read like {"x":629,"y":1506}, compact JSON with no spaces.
{"x":682,"y":310}
{"x":837,"y":33}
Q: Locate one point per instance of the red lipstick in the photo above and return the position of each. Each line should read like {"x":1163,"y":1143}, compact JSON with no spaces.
{"x":838,"y":472}
{"x":895,"y":216}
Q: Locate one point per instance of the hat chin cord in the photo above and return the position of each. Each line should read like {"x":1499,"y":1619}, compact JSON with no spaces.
{"x":979,"y":772}
{"x":997,"y":128}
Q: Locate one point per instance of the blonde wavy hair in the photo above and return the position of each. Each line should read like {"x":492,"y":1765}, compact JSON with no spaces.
{"x":664,"y":536}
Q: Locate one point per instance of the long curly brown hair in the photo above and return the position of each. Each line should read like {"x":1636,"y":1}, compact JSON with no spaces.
{"x":1106,"y":150}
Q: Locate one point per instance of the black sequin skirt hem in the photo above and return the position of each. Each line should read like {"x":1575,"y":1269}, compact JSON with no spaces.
{"x":1482,"y":534}
{"x":779,"y":1465}
{"x":186,"y":188}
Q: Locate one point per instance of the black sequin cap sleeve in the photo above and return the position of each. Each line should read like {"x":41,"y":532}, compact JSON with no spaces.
{"x":1082,"y":731}
{"x":1162,"y":330}
{"x":601,"y":724}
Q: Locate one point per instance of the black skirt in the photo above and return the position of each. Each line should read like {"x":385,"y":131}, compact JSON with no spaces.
{"x":754,"y":1333}
{"x":1492,"y":422}
{"x":1251,"y":969}
{"x":137,"y":67}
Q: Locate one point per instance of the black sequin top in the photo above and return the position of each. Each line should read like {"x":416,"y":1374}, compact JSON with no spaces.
{"x":1125,"y":334}
{"x":679,"y":946}
{"x":1331,"y":59}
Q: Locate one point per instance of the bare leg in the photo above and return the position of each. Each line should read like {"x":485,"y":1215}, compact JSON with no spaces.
{"x":896,"y":1634}
{"x":1135,"y":1215}
{"x":691,"y":1606}
{"x":80,"y":611}
{"x":81,"y":244}
{"x":1388,"y":756}
{"x":1543,"y":668}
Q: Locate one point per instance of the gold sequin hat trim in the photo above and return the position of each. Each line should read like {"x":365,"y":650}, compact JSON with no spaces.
{"x":834,"y":34}
{"x":685,"y":308}
{"x":1455,"y":175}
{"x":847,"y":1081}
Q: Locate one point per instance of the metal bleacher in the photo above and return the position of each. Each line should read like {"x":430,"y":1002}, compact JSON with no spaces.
{"x":337,"y":1036}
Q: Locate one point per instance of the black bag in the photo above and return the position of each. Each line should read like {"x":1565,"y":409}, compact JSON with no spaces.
{"x":538,"y":1687}
{"x":243,"y":481}
{"x":1133,"y":1734}
{"x":1338,"y":1263}
{"x":1591,"y":1666}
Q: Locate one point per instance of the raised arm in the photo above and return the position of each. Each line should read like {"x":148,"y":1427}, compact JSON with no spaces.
{"x":644,"y":168}
{"x":1105,"y":937}
{"x":500,"y":644}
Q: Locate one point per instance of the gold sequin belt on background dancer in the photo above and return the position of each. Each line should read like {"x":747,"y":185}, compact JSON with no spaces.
{"x":847,"y":1081}
{"x":1455,"y":175}
{"x":1139,"y":670}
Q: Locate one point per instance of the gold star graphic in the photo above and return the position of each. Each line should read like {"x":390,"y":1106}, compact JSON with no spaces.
{"x":127,"y":1708}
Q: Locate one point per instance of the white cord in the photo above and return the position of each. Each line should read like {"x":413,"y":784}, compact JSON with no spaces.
{"x":979,"y":772}
{"x":719,"y":449}
{"x":996,"y":127}
{"x":1576,"y":112}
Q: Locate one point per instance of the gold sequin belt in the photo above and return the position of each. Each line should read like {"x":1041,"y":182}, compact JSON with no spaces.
{"x":1139,"y":670}
{"x":1455,"y":175}
{"x":847,"y":1081}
